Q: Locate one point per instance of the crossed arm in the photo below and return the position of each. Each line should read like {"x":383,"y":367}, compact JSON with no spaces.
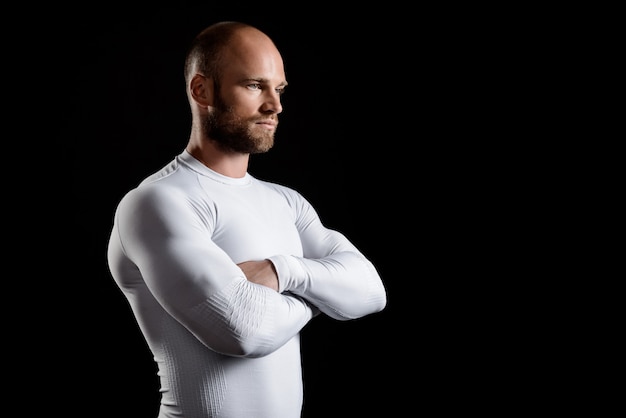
{"x":164,"y":263}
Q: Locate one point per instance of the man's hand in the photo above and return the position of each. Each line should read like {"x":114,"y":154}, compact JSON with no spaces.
{"x":260,"y":272}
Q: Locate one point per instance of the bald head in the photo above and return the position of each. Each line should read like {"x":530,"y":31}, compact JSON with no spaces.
{"x":221,"y":42}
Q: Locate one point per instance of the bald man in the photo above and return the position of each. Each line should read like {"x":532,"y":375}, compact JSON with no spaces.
{"x":222,"y":270}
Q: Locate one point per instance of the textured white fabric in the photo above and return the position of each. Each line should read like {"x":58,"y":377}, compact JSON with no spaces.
{"x":226,"y":347}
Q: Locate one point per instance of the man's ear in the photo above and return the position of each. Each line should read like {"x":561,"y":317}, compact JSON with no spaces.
{"x":201,"y":89}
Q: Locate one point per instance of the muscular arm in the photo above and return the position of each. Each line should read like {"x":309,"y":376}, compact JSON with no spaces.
{"x":332,"y":274}
{"x":194,"y":280}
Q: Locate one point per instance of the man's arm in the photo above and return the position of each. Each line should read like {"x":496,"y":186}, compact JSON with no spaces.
{"x":158,"y":239}
{"x":332,"y":274}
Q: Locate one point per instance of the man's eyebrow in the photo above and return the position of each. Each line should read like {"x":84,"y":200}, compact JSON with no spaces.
{"x":263,"y":81}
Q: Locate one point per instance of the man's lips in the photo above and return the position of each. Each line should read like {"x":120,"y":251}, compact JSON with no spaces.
{"x":270,"y":124}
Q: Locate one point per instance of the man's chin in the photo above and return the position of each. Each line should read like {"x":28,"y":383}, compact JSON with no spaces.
{"x":262,"y":148}
{"x":263,"y":144}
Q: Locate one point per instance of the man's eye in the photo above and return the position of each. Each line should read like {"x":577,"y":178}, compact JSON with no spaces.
{"x":280,"y":91}
{"x":255,"y":86}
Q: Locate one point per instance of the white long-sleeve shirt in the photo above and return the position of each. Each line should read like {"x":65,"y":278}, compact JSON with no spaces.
{"x":226,"y":347}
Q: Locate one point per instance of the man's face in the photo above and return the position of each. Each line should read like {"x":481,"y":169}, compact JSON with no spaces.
{"x":246,"y":101}
{"x":239,"y":131}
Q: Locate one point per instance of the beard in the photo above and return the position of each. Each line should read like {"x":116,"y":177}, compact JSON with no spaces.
{"x":236,"y":134}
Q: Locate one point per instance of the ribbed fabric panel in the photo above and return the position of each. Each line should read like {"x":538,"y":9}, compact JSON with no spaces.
{"x":196,"y":379}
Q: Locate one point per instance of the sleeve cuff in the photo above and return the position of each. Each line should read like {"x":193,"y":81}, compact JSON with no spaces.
{"x":290,"y":272}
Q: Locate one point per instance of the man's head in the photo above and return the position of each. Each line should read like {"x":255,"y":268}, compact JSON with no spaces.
{"x":235,"y":76}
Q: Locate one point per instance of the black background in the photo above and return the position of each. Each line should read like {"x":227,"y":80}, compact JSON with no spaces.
{"x":415,"y":131}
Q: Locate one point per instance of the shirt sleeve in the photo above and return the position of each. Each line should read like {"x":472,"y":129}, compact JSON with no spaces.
{"x":332,"y":274}
{"x":195,"y":281}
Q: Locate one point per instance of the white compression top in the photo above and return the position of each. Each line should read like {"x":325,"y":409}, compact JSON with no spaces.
{"x":226,"y":347}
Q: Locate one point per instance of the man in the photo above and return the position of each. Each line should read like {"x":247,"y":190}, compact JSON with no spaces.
{"x":223,"y":270}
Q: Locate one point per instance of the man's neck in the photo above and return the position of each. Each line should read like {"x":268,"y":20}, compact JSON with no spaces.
{"x":231,"y":164}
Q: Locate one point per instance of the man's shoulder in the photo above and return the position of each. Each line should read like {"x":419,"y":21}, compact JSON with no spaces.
{"x":163,"y":173}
